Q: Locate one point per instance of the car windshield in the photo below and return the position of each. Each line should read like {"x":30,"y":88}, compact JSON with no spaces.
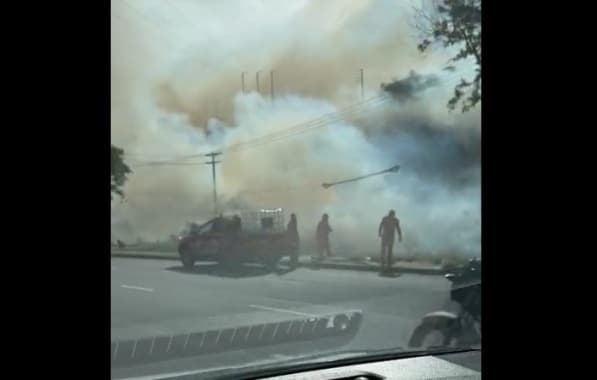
{"x":334,"y":147}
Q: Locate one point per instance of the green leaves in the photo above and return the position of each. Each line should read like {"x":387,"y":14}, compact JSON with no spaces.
{"x":119,"y":173}
{"x":458,"y":22}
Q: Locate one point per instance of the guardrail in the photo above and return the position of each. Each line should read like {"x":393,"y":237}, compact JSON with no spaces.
{"x":340,"y":328}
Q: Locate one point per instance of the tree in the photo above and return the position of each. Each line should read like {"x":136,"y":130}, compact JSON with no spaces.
{"x":455,"y":23}
{"x":120,"y":170}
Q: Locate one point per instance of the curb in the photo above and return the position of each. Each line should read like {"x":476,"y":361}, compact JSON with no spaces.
{"x":313,"y":265}
{"x":144,"y":256}
{"x":396,"y":269}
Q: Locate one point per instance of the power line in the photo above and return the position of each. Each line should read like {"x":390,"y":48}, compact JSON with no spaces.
{"x":242,"y":146}
{"x":280,"y":138}
{"x":144,"y":164}
{"x":354,"y":110}
{"x":330,"y":118}
{"x":322,"y":121}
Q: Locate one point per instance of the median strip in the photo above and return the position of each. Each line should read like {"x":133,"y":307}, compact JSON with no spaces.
{"x":340,"y":263}
{"x":137,"y":288}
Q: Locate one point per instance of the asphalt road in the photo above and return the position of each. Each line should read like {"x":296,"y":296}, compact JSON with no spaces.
{"x":156,"y":297}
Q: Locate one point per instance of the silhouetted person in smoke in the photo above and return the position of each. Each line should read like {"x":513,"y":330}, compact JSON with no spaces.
{"x":235,"y":229}
{"x":388,"y":224}
{"x":323,"y":236}
{"x":293,"y":236}
{"x":217,"y":224}
{"x":237,"y":224}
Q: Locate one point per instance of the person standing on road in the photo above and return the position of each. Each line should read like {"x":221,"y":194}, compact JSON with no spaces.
{"x":388,"y":224}
{"x":323,"y":236}
{"x":237,"y":224}
{"x":293,"y":236}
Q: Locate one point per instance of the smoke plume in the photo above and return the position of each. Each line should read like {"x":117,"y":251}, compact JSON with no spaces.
{"x":176,"y":91}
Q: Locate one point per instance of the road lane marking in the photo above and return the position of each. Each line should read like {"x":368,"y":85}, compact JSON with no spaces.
{"x":151,"y":348}
{"x":186,"y":341}
{"x":282,"y":310}
{"x":169,"y":343}
{"x":136,"y":288}
{"x":302,"y":325}
{"x":299,"y":302}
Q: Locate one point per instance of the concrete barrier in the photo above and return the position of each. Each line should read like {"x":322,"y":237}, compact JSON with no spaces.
{"x":284,"y":333}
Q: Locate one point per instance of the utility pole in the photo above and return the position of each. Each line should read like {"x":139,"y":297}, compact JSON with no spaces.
{"x":362,"y":84}
{"x":213,"y":163}
{"x":271,"y":80}
{"x":209,"y":109}
{"x":257,"y":80}
{"x":242,"y":80}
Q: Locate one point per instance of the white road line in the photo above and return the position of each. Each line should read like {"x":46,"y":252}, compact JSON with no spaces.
{"x":301,"y":302}
{"x":169,"y":343}
{"x":282,"y":310}
{"x":136,"y":288}
{"x":151,"y":348}
{"x":186,"y":342}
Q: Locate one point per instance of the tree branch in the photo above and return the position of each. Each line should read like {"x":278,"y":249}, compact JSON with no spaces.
{"x":469,"y":44}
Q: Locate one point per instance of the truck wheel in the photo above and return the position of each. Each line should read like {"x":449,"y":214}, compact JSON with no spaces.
{"x":225,"y":262}
{"x":187,"y":261}
{"x":294,"y":258}
{"x":271,"y":262}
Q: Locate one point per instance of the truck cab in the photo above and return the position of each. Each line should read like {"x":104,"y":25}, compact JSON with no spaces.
{"x":256,"y":237}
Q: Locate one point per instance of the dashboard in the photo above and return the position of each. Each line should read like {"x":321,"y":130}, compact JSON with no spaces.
{"x":461,"y":365}
{"x":465,"y":365}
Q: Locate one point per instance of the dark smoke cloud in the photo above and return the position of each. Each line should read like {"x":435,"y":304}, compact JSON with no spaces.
{"x":440,"y":155}
{"x":409,"y":87}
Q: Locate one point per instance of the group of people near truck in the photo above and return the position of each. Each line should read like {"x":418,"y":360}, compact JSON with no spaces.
{"x":387,"y":231}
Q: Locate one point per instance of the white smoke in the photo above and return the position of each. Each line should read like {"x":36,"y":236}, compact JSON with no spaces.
{"x":176,"y":73}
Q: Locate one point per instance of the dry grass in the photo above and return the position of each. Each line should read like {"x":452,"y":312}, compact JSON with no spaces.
{"x":443,"y":259}
{"x":428,"y":258}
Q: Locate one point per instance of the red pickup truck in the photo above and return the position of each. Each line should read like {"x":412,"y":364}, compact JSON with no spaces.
{"x":222,"y":240}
